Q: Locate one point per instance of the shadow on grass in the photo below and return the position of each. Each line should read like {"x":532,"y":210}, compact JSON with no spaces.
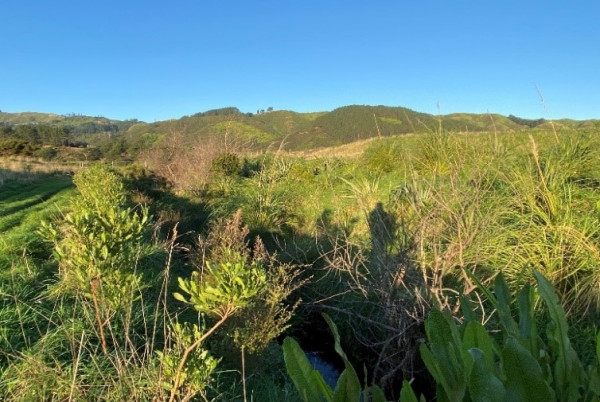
{"x":17,"y":195}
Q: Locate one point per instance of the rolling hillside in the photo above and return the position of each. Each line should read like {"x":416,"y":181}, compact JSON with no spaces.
{"x":77,"y":124}
{"x":287,"y":129}
{"x":299,"y":131}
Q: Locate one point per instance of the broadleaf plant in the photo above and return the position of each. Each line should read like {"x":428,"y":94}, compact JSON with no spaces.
{"x":514,"y":363}
{"x":310,"y":383}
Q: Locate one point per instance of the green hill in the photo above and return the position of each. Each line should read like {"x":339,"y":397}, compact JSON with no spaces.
{"x":256,"y":131}
{"x":77,"y":124}
{"x":29,"y":118}
{"x":299,"y":131}
{"x":282,"y":128}
{"x":353,"y":123}
{"x":467,"y":122}
{"x":569,"y":124}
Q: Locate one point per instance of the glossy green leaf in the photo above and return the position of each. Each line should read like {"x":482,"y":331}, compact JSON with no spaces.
{"x":476,"y":336}
{"x":446,"y":353}
{"x":348,"y":388}
{"x":598,"y":346}
{"x":503,"y":297}
{"x":337,"y":343}
{"x":527,"y":325}
{"x":524,"y":377}
{"x":180,"y":297}
{"x":484,"y":386}
{"x":377,"y":394}
{"x":568,"y":371}
{"x":301,"y":372}
{"x":407,"y":394}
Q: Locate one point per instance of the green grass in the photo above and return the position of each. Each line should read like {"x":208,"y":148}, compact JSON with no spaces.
{"x":23,"y":205}
{"x":383,"y":234}
{"x":242,"y":131}
{"x":24,"y":271}
{"x":490,"y":201}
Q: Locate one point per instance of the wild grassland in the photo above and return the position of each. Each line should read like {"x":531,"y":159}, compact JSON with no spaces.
{"x":22,"y":168}
{"x":84,"y":313}
{"x":25,"y":201}
{"x":402,"y":225}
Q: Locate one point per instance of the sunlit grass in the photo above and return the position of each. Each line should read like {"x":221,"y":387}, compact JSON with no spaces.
{"x":452,"y":202}
{"x":23,"y":205}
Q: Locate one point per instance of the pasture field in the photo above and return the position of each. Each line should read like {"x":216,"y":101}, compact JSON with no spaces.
{"x":24,"y":202}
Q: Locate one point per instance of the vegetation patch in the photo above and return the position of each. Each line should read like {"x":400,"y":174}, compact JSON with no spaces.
{"x":442,"y":263}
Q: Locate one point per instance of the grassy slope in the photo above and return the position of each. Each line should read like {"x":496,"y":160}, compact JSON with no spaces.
{"x":51,"y":118}
{"x":299,"y":131}
{"x":303,"y":131}
{"x":29,"y":117}
{"x":479,"y":122}
{"x":569,"y":124}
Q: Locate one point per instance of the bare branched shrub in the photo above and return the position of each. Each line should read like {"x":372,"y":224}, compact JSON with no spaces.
{"x":414,"y":254}
{"x":383,"y":296}
{"x":187,"y":164}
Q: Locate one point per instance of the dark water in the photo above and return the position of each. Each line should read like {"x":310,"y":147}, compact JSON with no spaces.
{"x":328,"y":371}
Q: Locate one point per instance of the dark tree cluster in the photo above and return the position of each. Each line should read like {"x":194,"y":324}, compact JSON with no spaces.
{"x":226,"y":111}
{"x":37,"y":134}
{"x":11,"y":146}
{"x":101,"y":126}
{"x":526,"y":122}
{"x":92,"y":128}
{"x":262,"y":111}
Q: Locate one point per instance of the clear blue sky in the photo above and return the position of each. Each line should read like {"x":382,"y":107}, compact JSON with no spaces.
{"x":155,"y":60}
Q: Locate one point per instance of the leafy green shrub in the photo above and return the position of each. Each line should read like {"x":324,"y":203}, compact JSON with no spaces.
{"x":265,"y":199}
{"x":93,"y":154}
{"x":267,"y":315}
{"x":383,"y":156}
{"x":239,"y":290}
{"x":227,"y":164}
{"x":46,"y":153}
{"x":220,"y":292}
{"x":114,"y":149}
{"x":305,"y":171}
{"x":222,"y":289}
{"x":250,"y":167}
{"x":98,"y":246}
{"x":83,"y":334}
{"x":16,"y":147}
{"x":516,"y":364}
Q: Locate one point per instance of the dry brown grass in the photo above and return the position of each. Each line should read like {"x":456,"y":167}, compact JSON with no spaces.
{"x":38,"y":165}
{"x":27,"y":168}
{"x":352,"y":150}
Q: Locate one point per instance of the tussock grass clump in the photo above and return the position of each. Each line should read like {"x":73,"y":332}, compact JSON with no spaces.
{"x":456,"y":204}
